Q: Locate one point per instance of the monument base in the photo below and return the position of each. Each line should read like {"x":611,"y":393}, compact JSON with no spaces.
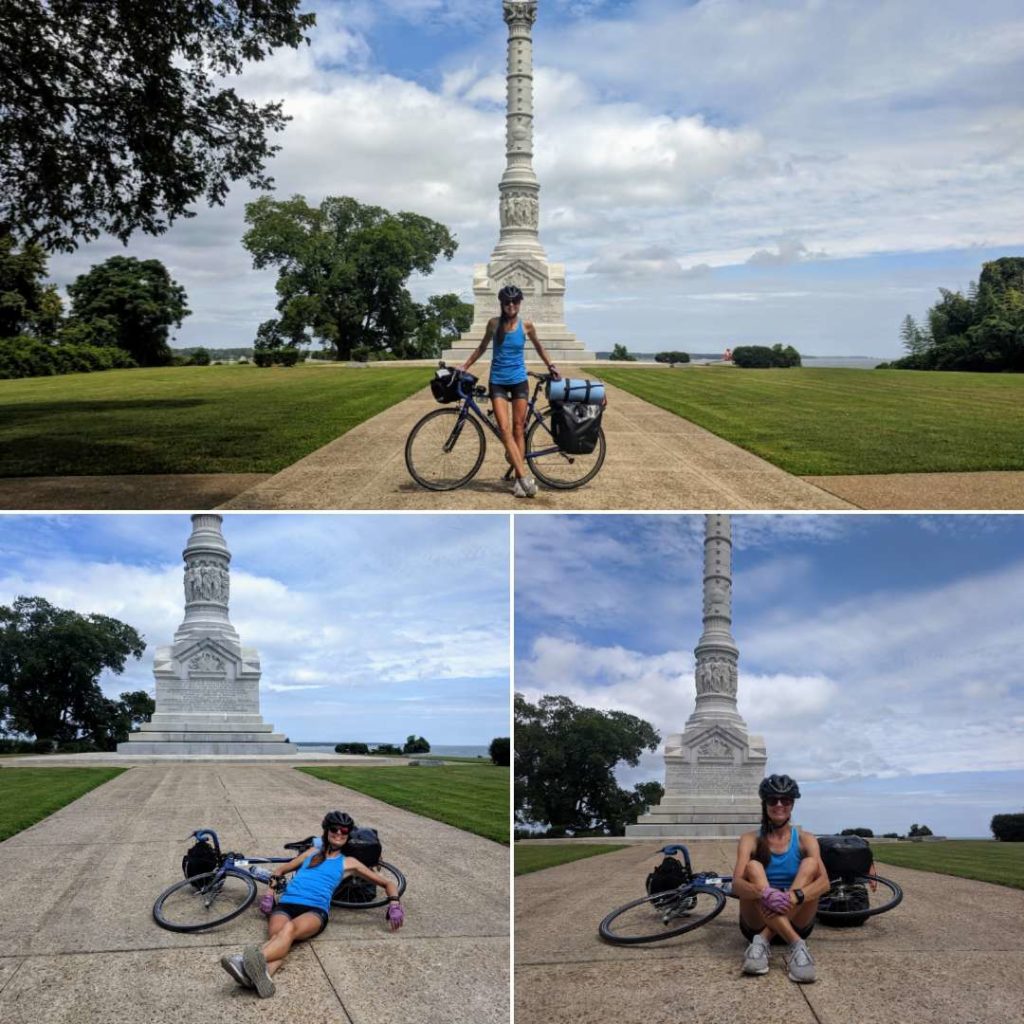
{"x":206,"y":734}
{"x":543,"y":287}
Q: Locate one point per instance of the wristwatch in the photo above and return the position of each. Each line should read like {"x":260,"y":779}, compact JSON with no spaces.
{"x":799,"y":894}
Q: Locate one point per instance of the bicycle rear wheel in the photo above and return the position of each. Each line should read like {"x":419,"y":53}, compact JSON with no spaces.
{"x":359,"y":894}
{"x":556,"y":468}
{"x":443,"y":453}
{"x":851,"y":901}
{"x":203,"y":901}
{"x":662,"y":915}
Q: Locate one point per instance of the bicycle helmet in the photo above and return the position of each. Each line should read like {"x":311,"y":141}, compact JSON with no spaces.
{"x":510,"y":293}
{"x":778,"y":785}
{"x":337,"y":819}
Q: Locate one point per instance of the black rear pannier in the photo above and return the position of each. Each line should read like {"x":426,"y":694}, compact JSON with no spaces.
{"x":576,"y":426}
{"x":845,"y":856}
{"x":199,"y":859}
{"x":364,"y":845}
{"x":451,"y":385}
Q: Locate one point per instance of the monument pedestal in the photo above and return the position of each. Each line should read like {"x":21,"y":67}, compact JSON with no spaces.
{"x":207,"y":683}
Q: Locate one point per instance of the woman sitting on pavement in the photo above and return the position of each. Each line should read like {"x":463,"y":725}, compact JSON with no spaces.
{"x":303,"y":910}
{"x":779,"y":878}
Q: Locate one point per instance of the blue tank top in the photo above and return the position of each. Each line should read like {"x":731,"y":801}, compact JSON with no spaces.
{"x":508,"y":366}
{"x":313,"y":887}
{"x":782,"y":867}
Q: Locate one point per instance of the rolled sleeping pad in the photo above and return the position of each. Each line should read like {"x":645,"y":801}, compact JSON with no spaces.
{"x":573,"y":390}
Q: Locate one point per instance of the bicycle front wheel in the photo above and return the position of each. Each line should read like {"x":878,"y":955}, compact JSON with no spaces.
{"x":203,"y":901}
{"x":662,"y":916}
{"x":556,"y":468}
{"x":443,"y":453}
{"x":851,"y":901}
{"x":357,"y":893}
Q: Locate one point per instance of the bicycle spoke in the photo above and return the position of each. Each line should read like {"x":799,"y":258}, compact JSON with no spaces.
{"x":213,"y":902}
{"x":444,"y":452}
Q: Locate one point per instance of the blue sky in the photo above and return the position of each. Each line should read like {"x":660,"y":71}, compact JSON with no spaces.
{"x":880,"y":656}
{"x":715,"y":172}
{"x":363,"y":629}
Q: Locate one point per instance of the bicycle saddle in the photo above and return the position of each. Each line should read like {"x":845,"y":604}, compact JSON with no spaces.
{"x":300,"y":845}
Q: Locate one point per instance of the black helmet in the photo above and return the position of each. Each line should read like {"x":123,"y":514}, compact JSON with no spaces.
{"x":337,"y":819}
{"x":778,"y":785}
{"x":510,"y":293}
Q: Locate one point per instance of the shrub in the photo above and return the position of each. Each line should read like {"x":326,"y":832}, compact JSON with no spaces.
{"x":24,"y":356}
{"x":890,"y":835}
{"x":287,"y":356}
{"x":919,"y":830}
{"x":762,"y":357}
{"x":621,"y":354}
{"x":386,"y":748}
{"x":500,"y":750}
{"x":351,"y":748}
{"x":1008,"y":828}
{"x":672,"y":357}
{"x":416,"y":745}
{"x":866,"y":833}
{"x":201,"y":357}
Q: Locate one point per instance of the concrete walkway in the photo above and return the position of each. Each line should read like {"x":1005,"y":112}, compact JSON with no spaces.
{"x":655,"y":461}
{"x":78,"y":944}
{"x":951,"y":952}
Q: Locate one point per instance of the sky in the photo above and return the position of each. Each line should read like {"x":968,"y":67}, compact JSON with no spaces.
{"x":712,"y":173}
{"x":363,"y":630}
{"x":880,"y":656}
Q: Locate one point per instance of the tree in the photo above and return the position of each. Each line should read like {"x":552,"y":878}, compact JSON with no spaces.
{"x":27,"y":305}
{"x":416,"y":745}
{"x":914,"y":339}
{"x":116,"y":116}
{"x":140,"y":297}
{"x":621,"y":354}
{"x":500,"y":751}
{"x":1008,"y":828}
{"x":565,"y":759}
{"x":763,"y":357}
{"x":441,"y":320}
{"x":343,"y":266}
{"x":672,"y":357}
{"x":919,"y":830}
{"x":200,"y":357}
{"x":50,"y":663}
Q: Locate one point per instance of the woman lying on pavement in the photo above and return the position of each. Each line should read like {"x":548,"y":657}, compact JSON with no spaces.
{"x":779,"y":878}
{"x":303,"y":910}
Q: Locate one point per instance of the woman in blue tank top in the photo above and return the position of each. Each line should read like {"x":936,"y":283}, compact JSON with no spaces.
{"x":303,"y":909}
{"x":779,"y":878}
{"x":509,"y":385}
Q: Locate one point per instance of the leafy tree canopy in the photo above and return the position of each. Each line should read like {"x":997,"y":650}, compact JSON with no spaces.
{"x":983,"y":330}
{"x":343,"y":267}
{"x":416,"y":745}
{"x":115,"y":117}
{"x":27,"y":305}
{"x":763,"y":357}
{"x":565,"y":758}
{"x":500,"y":750}
{"x":621,"y":354}
{"x":139,"y":297}
{"x":672,"y":357}
{"x":50,"y":663}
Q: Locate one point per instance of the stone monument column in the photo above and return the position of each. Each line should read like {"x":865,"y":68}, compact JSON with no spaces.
{"x":519,"y":258}
{"x":712,"y":768}
{"x":207,"y":683}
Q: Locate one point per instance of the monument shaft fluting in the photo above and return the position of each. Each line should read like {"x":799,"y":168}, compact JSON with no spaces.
{"x":518,"y":257}
{"x":712,"y":768}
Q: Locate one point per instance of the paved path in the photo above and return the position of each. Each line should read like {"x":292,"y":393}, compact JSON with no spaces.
{"x":78,"y":944}
{"x":655,"y":461}
{"x":951,"y":952}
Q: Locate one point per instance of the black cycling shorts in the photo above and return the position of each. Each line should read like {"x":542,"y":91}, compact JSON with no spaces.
{"x":510,"y":391}
{"x":294,"y":910}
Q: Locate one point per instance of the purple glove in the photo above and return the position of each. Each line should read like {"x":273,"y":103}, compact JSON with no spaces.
{"x":775,"y":901}
{"x":395,"y":916}
{"x":266,"y":902}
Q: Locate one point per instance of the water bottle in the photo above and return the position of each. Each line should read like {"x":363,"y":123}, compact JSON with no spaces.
{"x":260,"y":874}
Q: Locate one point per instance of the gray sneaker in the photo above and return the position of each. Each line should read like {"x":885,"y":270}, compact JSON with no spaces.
{"x":756,"y":959}
{"x":518,"y":491}
{"x":232,"y":963}
{"x":255,"y":965}
{"x":800,"y":963}
{"x":530,"y":486}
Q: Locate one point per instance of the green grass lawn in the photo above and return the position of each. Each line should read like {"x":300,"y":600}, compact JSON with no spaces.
{"x":474,"y":798}
{"x":821,"y":422}
{"x":1002,"y":863}
{"x":548,"y":855}
{"x":187,"y":419}
{"x":31,"y":794}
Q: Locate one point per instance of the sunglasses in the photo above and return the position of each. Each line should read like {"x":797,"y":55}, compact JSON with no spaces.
{"x":785,"y":801}
{"x":342,"y":829}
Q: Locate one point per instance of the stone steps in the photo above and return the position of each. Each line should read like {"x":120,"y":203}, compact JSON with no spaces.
{"x":148,"y":747}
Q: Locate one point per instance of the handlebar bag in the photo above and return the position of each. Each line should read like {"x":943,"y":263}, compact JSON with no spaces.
{"x":668,"y":875}
{"x":575,"y":426}
{"x":450,"y":385}
{"x":199,"y":859}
